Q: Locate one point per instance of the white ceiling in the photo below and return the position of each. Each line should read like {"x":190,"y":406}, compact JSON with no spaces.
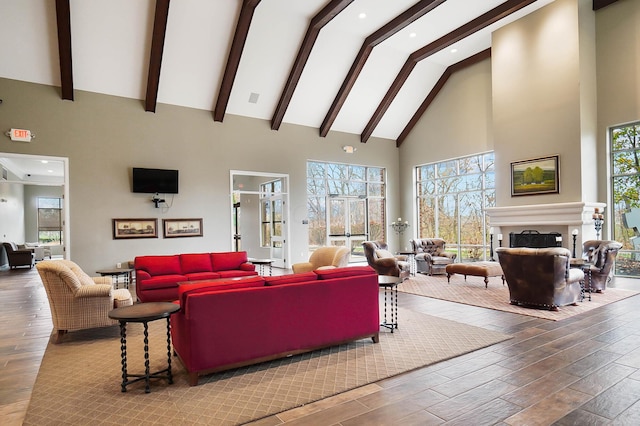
{"x":111,"y":44}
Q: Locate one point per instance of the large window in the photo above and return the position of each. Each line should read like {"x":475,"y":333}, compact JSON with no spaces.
{"x":50,"y":220}
{"x":451,"y":200}
{"x":625,"y":184}
{"x":346,"y":205}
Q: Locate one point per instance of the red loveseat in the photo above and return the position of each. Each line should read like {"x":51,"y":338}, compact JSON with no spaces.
{"x":157,"y":277}
{"x":237,"y":322}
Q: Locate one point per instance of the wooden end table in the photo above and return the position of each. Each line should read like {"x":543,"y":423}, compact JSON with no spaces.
{"x":115,"y":273}
{"x":143,"y":313}
{"x":261,"y":264}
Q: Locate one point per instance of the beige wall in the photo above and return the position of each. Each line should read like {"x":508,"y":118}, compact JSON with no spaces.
{"x":537,"y":97}
{"x":105,"y":136}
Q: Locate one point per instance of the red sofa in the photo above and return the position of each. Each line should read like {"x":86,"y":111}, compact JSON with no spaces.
{"x":157,"y":277}
{"x":237,"y":322}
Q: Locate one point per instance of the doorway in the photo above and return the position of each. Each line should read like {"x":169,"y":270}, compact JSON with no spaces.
{"x":259,"y":215}
{"x":23,"y":179}
{"x":347,"y":219}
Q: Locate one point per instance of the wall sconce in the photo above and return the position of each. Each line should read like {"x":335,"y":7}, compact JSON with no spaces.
{"x":574,"y":234}
{"x":400,"y":226}
{"x":349,"y":149}
{"x":598,"y":218}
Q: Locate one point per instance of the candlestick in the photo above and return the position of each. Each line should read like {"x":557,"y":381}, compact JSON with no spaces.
{"x":574,"y":234}
{"x":598,"y":218}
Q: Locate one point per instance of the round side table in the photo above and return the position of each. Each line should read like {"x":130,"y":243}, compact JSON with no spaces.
{"x":143,"y":313}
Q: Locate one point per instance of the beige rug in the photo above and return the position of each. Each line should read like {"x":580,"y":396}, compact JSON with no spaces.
{"x":79,"y":380}
{"x":496,"y":296}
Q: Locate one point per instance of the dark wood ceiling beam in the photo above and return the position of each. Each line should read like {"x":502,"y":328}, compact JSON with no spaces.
{"x":443,"y":42}
{"x":327,"y":13}
{"x":157,"y":48}
{"x":599,"y":4}
{"x":471,"y":60}
{"x":63,"y":18}
{"x":399,"y":22}
{"x":233,"y":61}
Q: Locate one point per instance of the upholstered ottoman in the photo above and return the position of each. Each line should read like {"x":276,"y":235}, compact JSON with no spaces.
{"x":476,"y":269}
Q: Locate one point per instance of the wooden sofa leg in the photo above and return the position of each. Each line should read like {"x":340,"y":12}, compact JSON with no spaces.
{"x":193,"y":379}
{"x":376,"y":338}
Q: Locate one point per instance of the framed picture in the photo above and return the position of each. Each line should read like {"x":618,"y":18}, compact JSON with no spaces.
{"x":537,"y":176}
{"x":174,"y":228}
{"x":135,"y":228}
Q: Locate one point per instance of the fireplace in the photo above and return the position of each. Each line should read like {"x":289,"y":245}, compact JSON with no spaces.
{"x":534,"y":239}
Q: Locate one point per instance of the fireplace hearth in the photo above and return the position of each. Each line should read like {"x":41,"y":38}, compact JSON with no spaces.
{"x":534,"y":239}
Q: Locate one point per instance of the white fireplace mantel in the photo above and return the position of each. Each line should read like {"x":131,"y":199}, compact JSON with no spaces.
{"x":559,"y":217}
{"x":558,"y":214}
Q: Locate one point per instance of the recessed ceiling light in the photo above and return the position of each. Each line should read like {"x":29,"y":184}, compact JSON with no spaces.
{"x":50,"y":171}
{"x":412,"y":35}
{"x":454,"y":50}
{"x":362,"y":15}
{"x":44,"y":161}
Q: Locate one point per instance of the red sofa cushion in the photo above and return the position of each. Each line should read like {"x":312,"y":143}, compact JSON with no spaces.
{"x":195,"y":262}
{"x":236,"y":273}
{"x":224,"y":261}
{"x":203,"y":276}
{"x":349,"y":271}
{"x":292,"y":278}
{"x":159,"y":265}
{"x":161,"y":281}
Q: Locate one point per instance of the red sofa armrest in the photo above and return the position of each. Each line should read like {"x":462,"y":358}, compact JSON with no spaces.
{"x":247,"y":266}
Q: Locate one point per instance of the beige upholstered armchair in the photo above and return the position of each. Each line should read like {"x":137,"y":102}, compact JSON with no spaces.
{"x":384,"y":262}
{"x":601,"y":254}
{"x":323,"y":258}
{"x":18,"y":257}
{"x":430,"y":255}
{"x":78,"y":301}
{"x":540,"y":277}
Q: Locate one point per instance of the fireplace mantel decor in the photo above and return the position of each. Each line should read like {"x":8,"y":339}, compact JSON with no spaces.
{"x":536,"y":176}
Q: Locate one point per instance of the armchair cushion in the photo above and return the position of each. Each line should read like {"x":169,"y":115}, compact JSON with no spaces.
{"x":324,"y":257}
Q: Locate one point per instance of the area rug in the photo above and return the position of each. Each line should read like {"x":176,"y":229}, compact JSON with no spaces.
{"x":472,"y":291}
{"x":79,"y":379}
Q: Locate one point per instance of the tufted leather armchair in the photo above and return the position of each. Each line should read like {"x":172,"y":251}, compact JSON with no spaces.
{"x":540,"y":277}
{"x":601,"y":254}
{"x":384,"y":262}
{"x":431,"y":257}
{"x":323,"y":258}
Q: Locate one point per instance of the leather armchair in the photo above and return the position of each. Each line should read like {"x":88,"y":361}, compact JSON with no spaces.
{"x":430,"y":255}
{"x":78,"y":301}
{"x":18,"y":257}
{"x":384,"y":262}
{"x":601,"y":254}
{"x":324,"y":258}
{"x":540,"y":277}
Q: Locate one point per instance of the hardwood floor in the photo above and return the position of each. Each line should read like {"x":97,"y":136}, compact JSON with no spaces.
{"x":583,"y":371}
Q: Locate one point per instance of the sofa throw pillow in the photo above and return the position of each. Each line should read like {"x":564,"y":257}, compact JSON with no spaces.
{"x":224,"y":261}
{"x":195,"y":262}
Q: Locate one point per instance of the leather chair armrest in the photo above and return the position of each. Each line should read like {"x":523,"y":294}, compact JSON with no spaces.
{"x":387,"y":262}
{"x":402,"y":257}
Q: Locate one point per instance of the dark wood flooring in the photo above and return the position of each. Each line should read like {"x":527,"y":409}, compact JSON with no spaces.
{"x":581,"y":371}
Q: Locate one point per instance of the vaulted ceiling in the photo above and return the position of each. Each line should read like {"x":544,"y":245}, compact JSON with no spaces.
{"x":367,"y":67}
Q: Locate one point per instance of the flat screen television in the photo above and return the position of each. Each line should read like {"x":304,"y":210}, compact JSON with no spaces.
{"x":151,"y":181}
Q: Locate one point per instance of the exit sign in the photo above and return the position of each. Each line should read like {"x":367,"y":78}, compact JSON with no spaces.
{"x":20,"y":135}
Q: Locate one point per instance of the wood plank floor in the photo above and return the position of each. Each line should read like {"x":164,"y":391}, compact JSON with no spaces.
{"x":581,"y":371}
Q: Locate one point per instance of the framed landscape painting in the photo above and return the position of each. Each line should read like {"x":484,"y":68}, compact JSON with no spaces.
{"x":537,"y":176}
{"x":135,"y":228}
{"x":174,"y":228}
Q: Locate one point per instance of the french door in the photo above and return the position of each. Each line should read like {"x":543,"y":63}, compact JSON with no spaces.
{"x":347,"y":219}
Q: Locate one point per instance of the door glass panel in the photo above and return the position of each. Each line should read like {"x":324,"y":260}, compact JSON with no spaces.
{"x":337,"y":217}
{"x":357,"y":217}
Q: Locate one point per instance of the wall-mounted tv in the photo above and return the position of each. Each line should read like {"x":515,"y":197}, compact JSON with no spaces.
{"x":151,"y":181}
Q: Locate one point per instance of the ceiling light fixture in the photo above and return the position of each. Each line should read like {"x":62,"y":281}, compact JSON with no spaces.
{"x":362,"y":15}
{"x":349,"y":149}
{"x":412,"y":35}
{"x":454,"y":50}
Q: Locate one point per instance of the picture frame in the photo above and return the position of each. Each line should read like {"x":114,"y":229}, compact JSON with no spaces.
{"x":181,"y":228}
{"x":135,"y":228}
{"x":535,"y":176}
